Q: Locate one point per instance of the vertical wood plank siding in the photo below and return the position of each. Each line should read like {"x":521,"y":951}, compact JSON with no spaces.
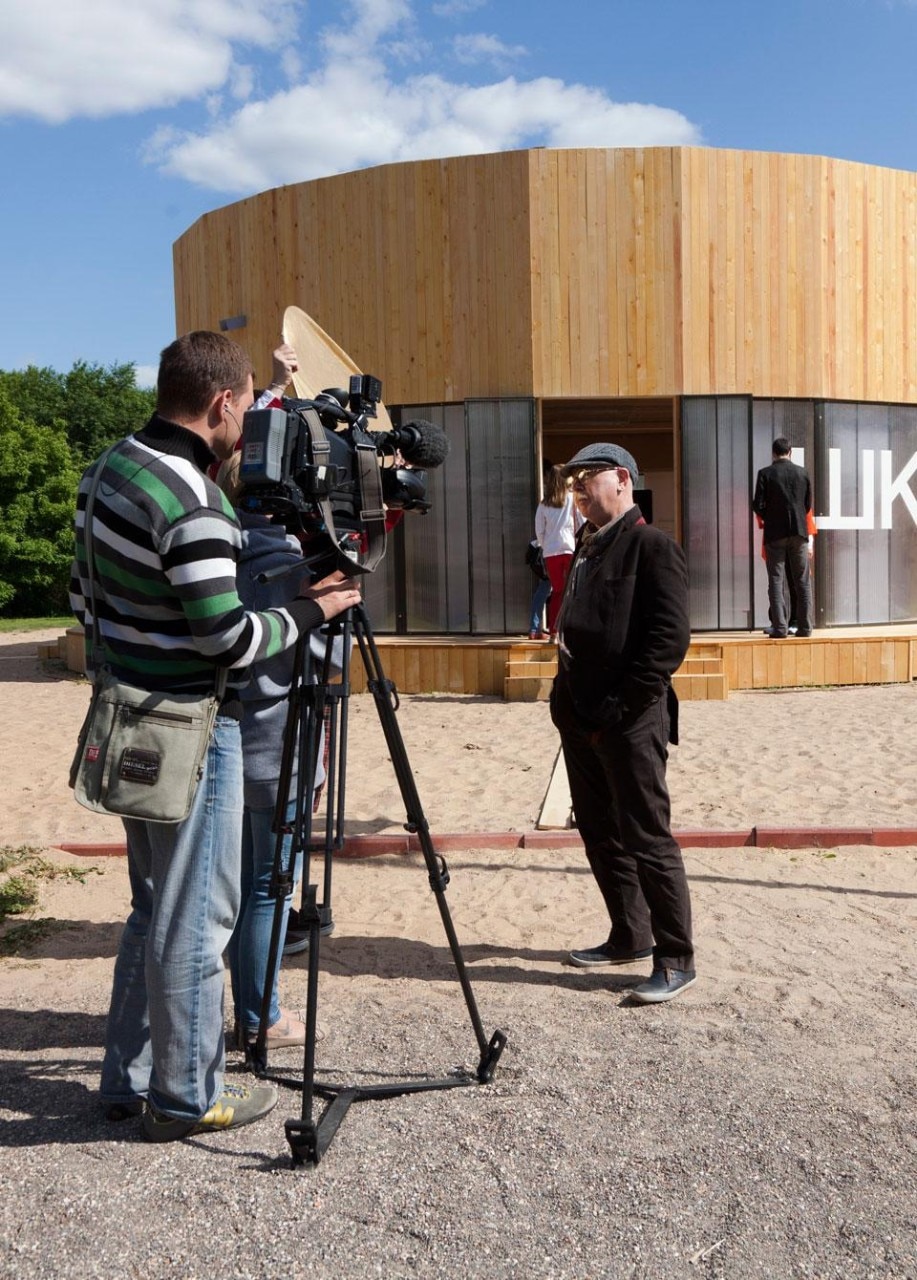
{"x":631,"y":272}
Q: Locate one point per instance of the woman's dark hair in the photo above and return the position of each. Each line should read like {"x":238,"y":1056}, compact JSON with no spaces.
{"x":195,"y":368}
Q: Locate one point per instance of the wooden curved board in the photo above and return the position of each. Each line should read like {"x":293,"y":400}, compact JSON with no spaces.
{"x":322,"y":363}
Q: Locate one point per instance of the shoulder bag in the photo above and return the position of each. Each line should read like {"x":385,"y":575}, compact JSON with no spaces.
{"x":140,"y":754}
{"x":534,"y":558}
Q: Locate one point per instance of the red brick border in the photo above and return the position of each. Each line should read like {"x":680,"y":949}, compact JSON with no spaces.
{"x":370,"y":846}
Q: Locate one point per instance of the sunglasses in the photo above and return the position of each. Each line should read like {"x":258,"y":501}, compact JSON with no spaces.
{"x":580,"y":477}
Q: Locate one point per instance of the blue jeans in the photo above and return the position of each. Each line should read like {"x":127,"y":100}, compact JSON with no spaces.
{"x":539,"y":600}
{"x":164,"y":1038}
{"x":250,"y":944}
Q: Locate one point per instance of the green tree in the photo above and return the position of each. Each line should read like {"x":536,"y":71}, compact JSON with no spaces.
{"x":95,"y":405}
{"x":38,"y":482}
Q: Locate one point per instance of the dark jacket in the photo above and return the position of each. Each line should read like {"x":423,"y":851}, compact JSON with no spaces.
{"x":267,"y":547}
{"x":624,"y":624}
{"x":783,"y":495}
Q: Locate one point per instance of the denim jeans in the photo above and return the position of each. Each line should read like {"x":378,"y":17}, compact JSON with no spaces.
{"x":539,"y":600}
{"x":164,"y":1038}
{"x":250,"y":944}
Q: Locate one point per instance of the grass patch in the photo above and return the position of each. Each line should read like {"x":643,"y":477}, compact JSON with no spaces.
{"x":35,"y":624}
{"x":21,"y":937}
{"x":22,"y":871}
{"x":18,"y":895}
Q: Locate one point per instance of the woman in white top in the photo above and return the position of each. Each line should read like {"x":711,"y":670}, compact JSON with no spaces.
{"x":556,"y":522}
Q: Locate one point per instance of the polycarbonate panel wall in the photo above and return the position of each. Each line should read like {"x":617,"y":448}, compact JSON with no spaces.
{"x":422,"y":585}
{"x":460,"y":568}
{"x":379,"y":590}
{"x":861,"y":458}
{"x":501,"y":487}
{"x":716,"y":439}
{"x":902,"y":550}
{"x":866,"y":511}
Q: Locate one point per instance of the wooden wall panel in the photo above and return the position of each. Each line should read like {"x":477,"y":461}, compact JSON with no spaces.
{"x":420,"y":271}
{"x":605,"y":272}
{"x":582,"y":272}
{"x":811,"y":267}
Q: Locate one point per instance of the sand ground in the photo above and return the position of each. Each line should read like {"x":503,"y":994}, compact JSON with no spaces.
{"x":763,"y":1125}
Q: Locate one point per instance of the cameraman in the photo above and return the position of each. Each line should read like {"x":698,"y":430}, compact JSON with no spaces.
{"x":170,"y":615}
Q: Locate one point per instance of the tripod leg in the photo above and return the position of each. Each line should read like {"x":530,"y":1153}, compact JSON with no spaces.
{"x":383,"y":691}
{"x":309,"y":1137}
{"x":292,"y":823}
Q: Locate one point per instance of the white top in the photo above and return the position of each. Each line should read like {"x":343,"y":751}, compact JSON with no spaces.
{"x":555,"y":527}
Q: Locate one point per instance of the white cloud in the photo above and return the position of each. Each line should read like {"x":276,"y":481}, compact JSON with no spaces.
{"x":145,"y":375}
{"x":349,"y":116}
{"x":98,"y":58}
{"x":455,"y":8}
{"x":484,"y":48}
{"x":351,"y":112}
{"x":340,"y":100}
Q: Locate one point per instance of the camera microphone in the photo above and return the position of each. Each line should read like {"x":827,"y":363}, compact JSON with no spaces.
{"x":422,"y":444}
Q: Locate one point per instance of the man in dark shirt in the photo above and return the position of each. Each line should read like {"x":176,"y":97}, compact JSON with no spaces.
{"x":783,"y":495}
{"x":623,"y":631}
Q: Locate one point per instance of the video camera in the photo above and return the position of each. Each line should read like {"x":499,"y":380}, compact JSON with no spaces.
{"x":318,"y":467}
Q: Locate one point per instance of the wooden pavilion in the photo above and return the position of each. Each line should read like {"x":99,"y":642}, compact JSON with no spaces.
{"x":689,"y":303}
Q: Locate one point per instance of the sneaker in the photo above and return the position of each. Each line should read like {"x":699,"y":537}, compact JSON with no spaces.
{"x":775,"y":635}
{"x":664,"y":984}
{"x":607,"y":954}
{"x":297,"y":938}
{"x":128,"y":1109}
{"x":236,"y":1105}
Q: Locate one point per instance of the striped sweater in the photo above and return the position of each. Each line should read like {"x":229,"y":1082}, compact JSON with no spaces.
{"x":165,"y":544}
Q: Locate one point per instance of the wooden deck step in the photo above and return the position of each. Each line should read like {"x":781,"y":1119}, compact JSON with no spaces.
{"x":530,"y":670}
{"x":527,"y":688}
{"x":700,"y":688}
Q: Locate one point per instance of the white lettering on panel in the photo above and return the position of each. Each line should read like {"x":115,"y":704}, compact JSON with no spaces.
{"x":890,"y":489}
{"x":867,"y":517}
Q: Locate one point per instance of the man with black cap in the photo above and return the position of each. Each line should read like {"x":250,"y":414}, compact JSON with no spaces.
{"x":623,"y":631}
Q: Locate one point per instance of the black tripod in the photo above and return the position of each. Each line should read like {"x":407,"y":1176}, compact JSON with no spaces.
{"x":314,"y":701}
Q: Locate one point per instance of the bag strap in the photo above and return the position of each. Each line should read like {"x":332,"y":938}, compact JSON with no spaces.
{"x":97,"y":652}
{"x":373,"y":514}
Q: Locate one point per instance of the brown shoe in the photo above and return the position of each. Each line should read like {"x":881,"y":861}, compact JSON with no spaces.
{"x":288,"y":1032}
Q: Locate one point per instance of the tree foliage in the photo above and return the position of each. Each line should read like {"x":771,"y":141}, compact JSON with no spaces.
{"x":52,"y":425}
{"x":96,"y":406}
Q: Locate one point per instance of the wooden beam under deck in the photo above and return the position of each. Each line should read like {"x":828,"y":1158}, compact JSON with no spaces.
{"x":717,"y":664}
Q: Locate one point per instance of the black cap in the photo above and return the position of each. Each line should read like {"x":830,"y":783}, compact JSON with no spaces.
{"x":603,"y":455}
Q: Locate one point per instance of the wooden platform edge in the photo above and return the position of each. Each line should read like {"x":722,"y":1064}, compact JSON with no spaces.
{"x":717,"y":664}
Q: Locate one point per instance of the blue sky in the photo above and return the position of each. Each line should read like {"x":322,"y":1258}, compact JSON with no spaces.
{"x":120,"y":124}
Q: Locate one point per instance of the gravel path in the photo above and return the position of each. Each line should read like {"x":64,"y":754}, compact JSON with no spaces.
{"x":763,"y":1125}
